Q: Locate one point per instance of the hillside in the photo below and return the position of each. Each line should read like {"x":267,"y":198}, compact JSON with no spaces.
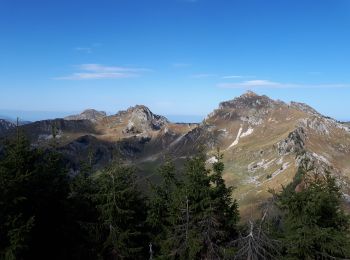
{"x":263,"y":142}
{"x":5,"y":126}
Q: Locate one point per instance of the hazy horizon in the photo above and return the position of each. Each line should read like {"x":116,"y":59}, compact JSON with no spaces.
{"x":27,"y":115}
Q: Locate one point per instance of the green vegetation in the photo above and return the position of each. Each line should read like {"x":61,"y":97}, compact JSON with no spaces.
{"x":47,"y":213}
{"x":314,"y":224}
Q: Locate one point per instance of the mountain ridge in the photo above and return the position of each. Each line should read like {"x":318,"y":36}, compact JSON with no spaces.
{"x":263,"y":140}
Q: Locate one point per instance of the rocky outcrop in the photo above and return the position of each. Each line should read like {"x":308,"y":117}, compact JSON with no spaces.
{"x":249,"y":107}
{"x":6,"y":126}
{"x":143,"y":120}
{"x":89,"y":114}
{"x":294,"y":143}
{"x":250,"y":100}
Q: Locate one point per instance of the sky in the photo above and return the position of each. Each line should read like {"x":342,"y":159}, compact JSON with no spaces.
{"x":180,"y":58}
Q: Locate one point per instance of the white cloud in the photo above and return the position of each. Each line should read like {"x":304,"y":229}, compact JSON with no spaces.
{"x":271,"y":84}
{"x":98,"y":71}
{"x":249,"y":83}
{"x":232,"y":77}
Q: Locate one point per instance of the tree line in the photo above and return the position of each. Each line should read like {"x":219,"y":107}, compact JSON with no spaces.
{"x":46,"y":213}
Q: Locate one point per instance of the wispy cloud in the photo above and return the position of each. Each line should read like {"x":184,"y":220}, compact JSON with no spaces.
{"x":232,"y":77}
{"x":203,"y":75}
{"x":271,"y":84}
{"x":98,"y":71}
{"x":84,"y":49}
{"x":88,"y":49}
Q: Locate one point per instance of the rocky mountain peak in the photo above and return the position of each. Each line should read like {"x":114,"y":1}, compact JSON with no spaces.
{"x":88,"y":114}
{"x":141,"y":119}
{"x":249,"y":107}
{"x":248,"y":100}
{"x":249,"y":93}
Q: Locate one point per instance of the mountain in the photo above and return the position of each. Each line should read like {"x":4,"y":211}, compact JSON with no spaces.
{"x":135,"y":134}
{"x":5,"y":126}
{"x":14,"y":120}
{"x":263,"y":142}
{"x":88,"y":114}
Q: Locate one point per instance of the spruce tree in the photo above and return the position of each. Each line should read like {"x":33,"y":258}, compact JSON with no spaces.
{"x":202,"y":216}
{"x":83,"y":213}
{"x":315,"y":226}
{"x":160,"y":201}
{"x":33,"y":192}
{"x":122,"y":213}
{"x":16,"y":222}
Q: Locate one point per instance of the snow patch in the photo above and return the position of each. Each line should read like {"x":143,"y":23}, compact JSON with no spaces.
{"x":248,"y":132}
{"x":235,"y":142}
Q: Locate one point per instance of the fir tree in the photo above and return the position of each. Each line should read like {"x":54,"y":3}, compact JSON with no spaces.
{"x":315,"y":226}
{"x":160,"y":201}
{"x":34,"y":188}
{"x":203,"y":215}
{"x":121,"y":213}
{"x":15,"y":221}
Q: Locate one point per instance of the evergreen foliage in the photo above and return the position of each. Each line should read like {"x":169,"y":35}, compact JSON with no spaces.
{"x":203,"y":216}
{"x":122,"y":213}
{"x":47,"y":213}
{"x":314,"y":224}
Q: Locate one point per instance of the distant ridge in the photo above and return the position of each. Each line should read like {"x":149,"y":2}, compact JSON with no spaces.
{"x":88,"y":114}
{"x":263,"y":140}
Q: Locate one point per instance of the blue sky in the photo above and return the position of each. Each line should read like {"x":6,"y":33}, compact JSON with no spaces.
{"x":179,"y":57}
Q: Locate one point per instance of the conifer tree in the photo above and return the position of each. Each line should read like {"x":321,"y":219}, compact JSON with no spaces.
{"x":202,"y":213}
{"x":83,"y":213}
{"x":160,"y":201}
{"x":315,"y":226}
{"x":15,"y":221}
{"x":33,"y":191}
{"x":122,"y":213}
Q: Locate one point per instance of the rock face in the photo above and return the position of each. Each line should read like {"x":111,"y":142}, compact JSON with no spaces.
{"x":142,"y":119}
{"x":89,"y":114}
{"x":294,"y":143}
{"x":6,"y":126}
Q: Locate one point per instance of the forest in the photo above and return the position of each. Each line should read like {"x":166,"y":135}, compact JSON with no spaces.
{"x":48,"y":213}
